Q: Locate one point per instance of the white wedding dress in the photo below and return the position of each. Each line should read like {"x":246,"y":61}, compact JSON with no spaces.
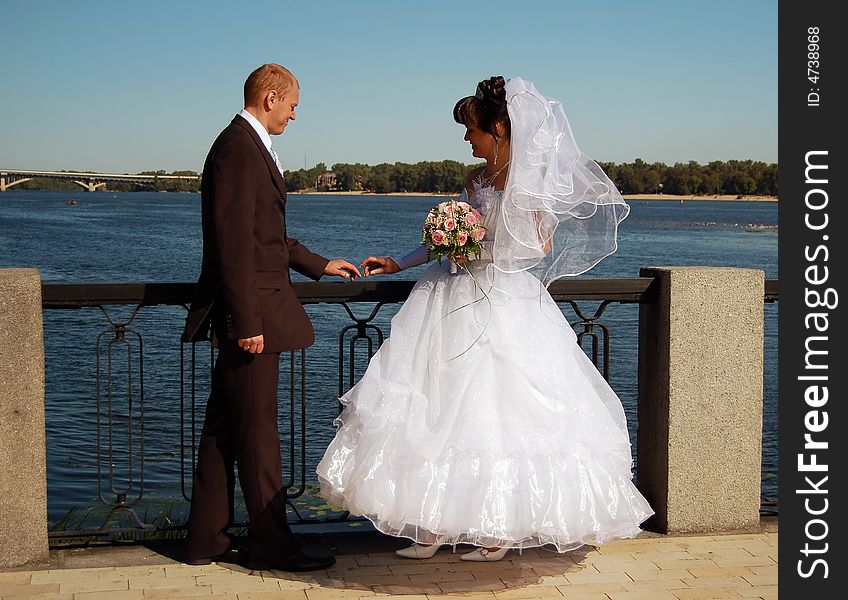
{"x":481,"y":419}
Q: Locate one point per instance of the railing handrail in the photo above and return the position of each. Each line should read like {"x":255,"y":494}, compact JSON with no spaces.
{"x":81,"y":294}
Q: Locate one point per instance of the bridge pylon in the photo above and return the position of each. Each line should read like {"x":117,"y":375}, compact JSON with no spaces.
{"x":7,"y":181}
{"x":90,"y":185}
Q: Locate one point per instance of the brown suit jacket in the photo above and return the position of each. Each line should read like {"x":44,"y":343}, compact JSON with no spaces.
{"x":244,"y":288}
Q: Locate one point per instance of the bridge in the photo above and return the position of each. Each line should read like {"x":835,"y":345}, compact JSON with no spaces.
{"x":88,"y":181}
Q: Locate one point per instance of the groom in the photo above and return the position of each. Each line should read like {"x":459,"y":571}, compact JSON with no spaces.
{"x":244,"y":295}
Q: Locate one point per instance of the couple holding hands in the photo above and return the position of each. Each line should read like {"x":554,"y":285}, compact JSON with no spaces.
{"x":480,"y":420}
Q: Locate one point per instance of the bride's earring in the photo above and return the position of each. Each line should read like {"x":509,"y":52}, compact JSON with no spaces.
{"x":497,"y":143}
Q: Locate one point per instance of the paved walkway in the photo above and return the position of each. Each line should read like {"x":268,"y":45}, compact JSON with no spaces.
{"x":650,"y":567}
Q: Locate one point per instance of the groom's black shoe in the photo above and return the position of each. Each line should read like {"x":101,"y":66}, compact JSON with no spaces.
{"x":231,"y":555}
{"x":301,"y":561}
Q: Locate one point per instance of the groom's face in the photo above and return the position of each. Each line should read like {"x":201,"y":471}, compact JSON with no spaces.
{"x":283,"y":109}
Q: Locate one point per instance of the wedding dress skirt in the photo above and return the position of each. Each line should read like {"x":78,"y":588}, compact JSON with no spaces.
{"x":481,"y":419}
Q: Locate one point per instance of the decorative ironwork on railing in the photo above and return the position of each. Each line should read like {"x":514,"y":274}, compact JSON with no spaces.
{"x":119,"y":398}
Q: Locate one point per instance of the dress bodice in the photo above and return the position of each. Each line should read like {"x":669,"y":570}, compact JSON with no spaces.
{"x":484,"y":199}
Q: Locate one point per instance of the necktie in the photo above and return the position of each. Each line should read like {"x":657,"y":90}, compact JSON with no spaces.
{"x":276,"y":160}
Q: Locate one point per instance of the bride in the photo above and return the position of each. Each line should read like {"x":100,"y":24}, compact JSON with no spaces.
{"x":481,"y":420}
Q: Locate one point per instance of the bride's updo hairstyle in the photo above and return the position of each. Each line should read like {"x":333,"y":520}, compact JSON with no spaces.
{"x":486,"y":108}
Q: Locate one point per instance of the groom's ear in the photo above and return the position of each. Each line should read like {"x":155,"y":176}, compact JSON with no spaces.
{"x":269,"y":98}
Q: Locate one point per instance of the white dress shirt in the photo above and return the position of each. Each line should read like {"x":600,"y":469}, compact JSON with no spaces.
{"x":263,"y":135}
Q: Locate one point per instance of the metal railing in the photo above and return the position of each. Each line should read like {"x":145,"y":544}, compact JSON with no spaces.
{"x":119,"y":393}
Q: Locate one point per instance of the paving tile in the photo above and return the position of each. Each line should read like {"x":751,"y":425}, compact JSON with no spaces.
{"x":368,"y":581}
{"x":359,"y":571}
{"x":693,"y":563}
{"x":177,"y":592}
{"x":140,"y":571}
{"x":589,"y":596}
{"x":475,"y":585}
{"x":14,"y":589}
{"x":535,"y":582}
{"x":417,"y":568}
{"x":95,"y":585}
{"x":255,"y":584}
{"x":578,"y":591}
{"x":438,"y":577}
{"x":334,"y":593}
{"x":474,"y":596}
{"x":651,"y":595}
{"x":281,"y":595}
{"x":624,"y":566}
{"x":596,"y":577}
{"x":658,"y":574}
{"x":731,"y":581}
{"x":191,"y":570}
{"x":752,"y":561}
{"x":207,"y":597}
{"x":724,"y":553}
{"x":148,"y":582}
{"x":68,"y":575}
{"x":14,"y":577}
{"x":529,"y":592}
{"x":656,"y":555}
{"x":721,"y":572}
{"x":764,"y":569}
{"x":246,"y":576}
{"x":111,"y":595}
{"x":717,"y":593}
{"x":500,"y":568}
{"x":758,"y":580}
{"x":48,"y":596}
{"x":654,"y":584}
{"x":556,"y":571}
{"x":370,"y":560}
{"x":759,"y":591}
{"x":626,"y":546}
{"x":403,"y":590}
{"x":287,"y":580}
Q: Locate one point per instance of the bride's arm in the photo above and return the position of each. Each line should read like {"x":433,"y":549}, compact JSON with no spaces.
{"x":386,"y":265}
{"x":546,"y":246}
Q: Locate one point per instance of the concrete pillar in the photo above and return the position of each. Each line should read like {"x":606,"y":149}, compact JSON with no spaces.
{"x":23,"y":471}
{"x":701,"y":398}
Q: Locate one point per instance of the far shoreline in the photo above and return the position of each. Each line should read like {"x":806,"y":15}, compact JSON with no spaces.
{"x":656,"y":197}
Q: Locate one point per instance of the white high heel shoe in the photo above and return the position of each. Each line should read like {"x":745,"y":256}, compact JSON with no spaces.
{"x":485,"y":555}
{"x":420,"y":551}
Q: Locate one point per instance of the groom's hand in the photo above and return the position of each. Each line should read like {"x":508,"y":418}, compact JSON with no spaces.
{"x":342,"y":268}
{"x":379,"y":265}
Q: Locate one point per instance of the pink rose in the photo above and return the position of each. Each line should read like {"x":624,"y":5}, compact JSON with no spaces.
{"x":471,"y":218}
{"x":462,"y":237}
{"x":478,"y":234}
{"x":464,"y":205}
{"x":438,"y":237}
{"x":450,"y":224}
{"x":476,"y":213}
{"x":447,"y":207}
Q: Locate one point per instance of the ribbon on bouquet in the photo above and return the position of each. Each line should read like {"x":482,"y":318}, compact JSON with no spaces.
{"x":484,"y":297}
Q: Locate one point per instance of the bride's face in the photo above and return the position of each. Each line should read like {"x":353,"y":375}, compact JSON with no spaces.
{"x":482,"y":143}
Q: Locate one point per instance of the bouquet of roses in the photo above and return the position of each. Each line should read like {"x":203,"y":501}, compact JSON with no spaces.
{"x":453,"y":229}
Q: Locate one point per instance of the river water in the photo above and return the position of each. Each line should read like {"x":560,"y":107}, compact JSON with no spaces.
{"x":155,"y":237}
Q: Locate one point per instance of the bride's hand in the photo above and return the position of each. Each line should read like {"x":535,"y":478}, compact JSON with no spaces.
{"x":379,"y":265}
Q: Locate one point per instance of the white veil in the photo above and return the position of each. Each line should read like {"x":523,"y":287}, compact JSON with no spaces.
{"x":560,"y":212}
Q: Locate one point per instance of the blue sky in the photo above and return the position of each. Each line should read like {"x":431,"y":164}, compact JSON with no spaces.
{"x":122,"y":86}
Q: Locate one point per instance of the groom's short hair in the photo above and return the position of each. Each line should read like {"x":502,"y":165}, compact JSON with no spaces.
{"x":268,"y":77}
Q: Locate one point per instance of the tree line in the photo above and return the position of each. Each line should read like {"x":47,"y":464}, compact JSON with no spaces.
{"x":733,"y":177}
